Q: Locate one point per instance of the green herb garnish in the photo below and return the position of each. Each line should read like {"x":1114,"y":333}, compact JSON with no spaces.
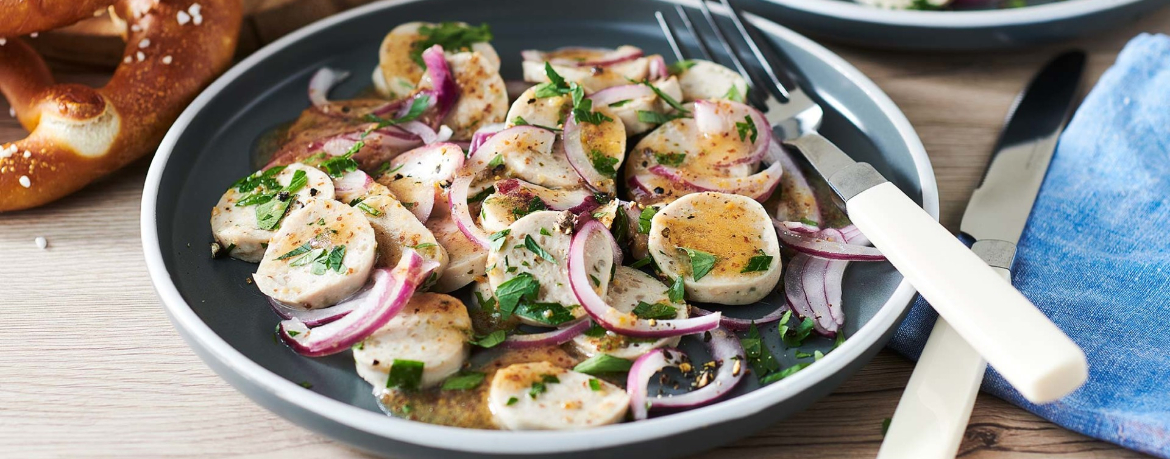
{"x":302,"y":249}
{"x":757,"y":353}
{"x":335,"y":257}
{"x":512,"y":401}
{"x":532,"y":246}
{"x":759,"y":262}
{"x":451,"y":36}
{"x":670,"y":159}
{"x":621,"y":103}
{"x":784,"y":373}
{"x":656,"y":311}
{"x":594,"y":385}
{"x":701,"y":262}
{"x":647,"y":116}
{"x":534,"y":205}
{"x":681,"y":66}
{"x":497,"y":238}
{"x":603,"y":163}
{"x":734,"y":94}
{"x":746,"y":127}
{"x":603,"y":363}
{"x":405,"y":375}
{"x":491,"y":339}
{"x":464,"y":381}
{"x":511,"y":292}
{"x":645,"y":218}
{"x":677,"y":290}
{"x":546,"y":313}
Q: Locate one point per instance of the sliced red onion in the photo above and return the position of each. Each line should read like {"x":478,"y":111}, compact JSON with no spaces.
{"x":614,"y":94}
{"x":797,"y":198}
{"x":813,"y":285}
{"x":481,"y":135}
{"x":658,"y":68}
{"x":322,"y":82}
{"x":315,"y":317}
{"x":638,"y":379}
{"x":390,"y":292}
{"x":603,"y":57}
{"x":758,"y":186}
{"x":352,"y":185}
{"x":446,"y":91}
{"x":718,"y":118}
{"x":728,"y":354}
{"x":826,"y":243}
{"x":737,"y":324}
{"x":574,"y":144}
{"x":421,"y":130}
{"x":613,"y":319}
{"x":575,"y":201}
{"x":551,"y":338}
{"x":541,"y":140}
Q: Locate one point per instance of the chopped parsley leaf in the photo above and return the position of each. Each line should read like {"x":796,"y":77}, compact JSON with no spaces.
{"x":417,"y":107}
{"x":405,"y":374}
{"x":451,"y":36}
{"x":536,"y":204}
{"x":644,"y":219}
{"x":596,"y":331}
{"x":583,"y":108}
{"x":512,"y":401}
{"x":546,"y":313}
{"x":340,"y":165}
{"x":335,"y":257}
{"x":759,"y":262}
{"x":594,"y":385}
{"x":545,"y":232}
{"x":556,"y":85}
{"x":647,"y":116}
{"x":496,"y":162}
{"x":621,"y":103}
{"x":642,"y":262}
{"x":464,"y":381}
{"x":603,"y":163}
{"x":745,"y":127}
{"x":784,"y":373}
{"x":734,"y":94}
{"x":304,"y":248}
{"x":532,"y":246}
{"x":666,"y":98}
{"x":603,"y":363}
{"x":681,"y":66}
{"x":511,"y":292}
{"x":793,"y":337}
{"x":757,"y":353}
{"x":701,"y":262}
{"x":491,"y":339}
{"x":670,"y":159}
{"x":657,"y":311}
{"x":497,"y":238}
{"x":677,"y":290}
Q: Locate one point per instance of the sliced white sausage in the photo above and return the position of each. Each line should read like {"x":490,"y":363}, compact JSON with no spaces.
{"x":514,"y":198}
{"x":541,"y":396}
{"x":591,"y":79}
{"x":467,"y":259}
{"x":532,"y":158}
{"x":237,"y":227}
{"x":735,"y":230}
{"x":708,"y":80}
{"x":433,"y":329}
{"x":545,"y":259}
{"x":679,"y":144}
{"x":398,"y":74}
{"x":483,"y":99}
{"x":629,"y":288}
{"x":322,"y":253}
{"x":396,"y":230}
{"x":539,"y":111}
{"x":417,"y":195}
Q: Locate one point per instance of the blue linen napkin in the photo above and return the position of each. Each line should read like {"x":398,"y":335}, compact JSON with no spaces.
{"x":1095,"y":256}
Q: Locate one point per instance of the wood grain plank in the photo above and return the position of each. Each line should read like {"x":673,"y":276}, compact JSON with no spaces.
{"x":92,"y":367}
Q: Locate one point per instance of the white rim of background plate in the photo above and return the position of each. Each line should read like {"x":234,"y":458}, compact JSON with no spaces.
{"x":954,"y":19}
{"x":505,"y":442}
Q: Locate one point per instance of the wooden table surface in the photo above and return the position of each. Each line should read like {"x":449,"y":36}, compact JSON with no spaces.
{"x":92,"y":368}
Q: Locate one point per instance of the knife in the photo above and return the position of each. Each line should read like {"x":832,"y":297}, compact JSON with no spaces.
{"x":934,"y":410}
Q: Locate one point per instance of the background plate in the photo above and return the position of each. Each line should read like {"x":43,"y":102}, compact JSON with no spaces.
{"x":1045,"y":21}
{"x":227,"y":322}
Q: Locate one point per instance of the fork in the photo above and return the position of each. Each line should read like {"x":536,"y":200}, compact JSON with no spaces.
{"x":1031,"y":353}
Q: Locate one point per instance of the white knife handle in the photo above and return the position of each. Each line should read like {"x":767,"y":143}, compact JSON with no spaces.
{"x":1031,"y":353}
{"x":934,"y":410}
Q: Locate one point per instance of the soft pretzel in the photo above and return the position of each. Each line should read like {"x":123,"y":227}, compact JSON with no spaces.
{"x":77,"y":133}
{"x":22,"y":17}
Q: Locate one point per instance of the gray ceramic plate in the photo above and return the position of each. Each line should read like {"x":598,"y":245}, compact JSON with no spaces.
{"x":227,"y":322}
{"x":1042,"y":21}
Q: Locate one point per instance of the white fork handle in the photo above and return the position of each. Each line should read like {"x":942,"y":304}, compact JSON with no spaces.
{"x":934,"y":410}
{"x":1031,"y":353}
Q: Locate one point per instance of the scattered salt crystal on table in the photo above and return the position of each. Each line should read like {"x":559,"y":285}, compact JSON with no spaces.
{"x":167,"y":59}
{"x":144,"y":43}
{"x":183,"y":17}
{"x":25,"y":182}
{"x":42,"y":242}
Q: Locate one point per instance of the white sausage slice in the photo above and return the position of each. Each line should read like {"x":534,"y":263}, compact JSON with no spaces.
{"x":549,"y":231}
{"x":299,"y":267}
{"x":733,"y":229}
{"x":708,"y":80}
{"x":396,"y":230}
{"x":541,"y":396}
{"x":483,"y":99}
{"x":466,"y":258}
{"x":629,"y":287}
{"x":539,"y":111}
{"x":398,"y":74}
{"x":628,"y":111}
{"x":591,"y":79}
{"x":433,"y":329}
{"x":679,"y":143}
{"x":237,"y":226}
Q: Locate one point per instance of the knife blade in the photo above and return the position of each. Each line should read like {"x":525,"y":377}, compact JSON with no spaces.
{"x":932,"y":415}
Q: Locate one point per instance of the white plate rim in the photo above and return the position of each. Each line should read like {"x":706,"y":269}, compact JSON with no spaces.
{"x":954,"y":19}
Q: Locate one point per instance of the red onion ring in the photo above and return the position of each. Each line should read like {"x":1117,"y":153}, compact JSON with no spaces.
{"x":446,"y":90}
{"x":352,"y":185}
{"x":728,"y":353}
{"x":315,"y":317}
{"x":737,"y":324}
{"x":614,"y":94}
{"x":658,"y":68}
{"x":457,"y":193}
{"x":575,"y":151}
{"x":434,"y":163}
{"x":824,"y":244}
{"x":390,"y":292}
{"x":638,"y":379}
{"x":321,"y":82}
{"x":421,"y":130}
{"x":605,"y":57}
{"x":612,"y":319}
{"x":758,"y":186}
{"x":812,"y":285}
{"x":550,"y":338}
{"x":717,"y":118}
{"x":482,"y":135}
